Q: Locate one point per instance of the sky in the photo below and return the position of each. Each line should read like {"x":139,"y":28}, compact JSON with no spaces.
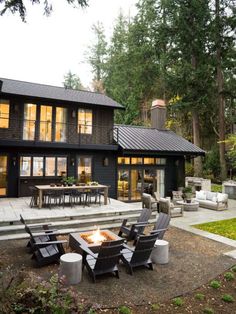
{"x":44,"y":49}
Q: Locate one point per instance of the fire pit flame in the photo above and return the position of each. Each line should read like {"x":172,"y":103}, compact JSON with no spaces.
{"x":96,"y":237}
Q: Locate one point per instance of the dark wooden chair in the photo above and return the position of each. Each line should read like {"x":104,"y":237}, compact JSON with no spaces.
{"x":46,"y":253}
{"x":56,"y":198}
{"x":34,"y":196}
{"x":136,"y":229}
{"x":140,"y":255}
{"x":161,"y":225}
{"x":44,"y":234}
{"x":105,"y":261}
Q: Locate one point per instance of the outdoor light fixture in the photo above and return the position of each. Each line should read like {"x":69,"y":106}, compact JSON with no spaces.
{"x":73,"y":114}
{"x":72,"y":161}
{"x":105,"y":161}
{"x":14,"y":161}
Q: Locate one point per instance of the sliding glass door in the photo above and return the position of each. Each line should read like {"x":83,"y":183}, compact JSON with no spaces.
{"x":3,"y":175}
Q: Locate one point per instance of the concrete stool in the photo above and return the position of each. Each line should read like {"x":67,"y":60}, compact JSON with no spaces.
{"x":71,"y":268}
{"x":160,"y":252}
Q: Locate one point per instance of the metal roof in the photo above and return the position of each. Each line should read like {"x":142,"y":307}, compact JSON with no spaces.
{"x":14,"y":87}
{"x":133,"y":138}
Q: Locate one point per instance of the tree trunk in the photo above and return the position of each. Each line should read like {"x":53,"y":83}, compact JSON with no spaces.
{"x":196,"y":141}
{"x":220,"y":95}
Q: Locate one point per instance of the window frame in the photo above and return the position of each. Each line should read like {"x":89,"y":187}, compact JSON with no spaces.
{"x":7,"y":102}
{"x":84,"y":124}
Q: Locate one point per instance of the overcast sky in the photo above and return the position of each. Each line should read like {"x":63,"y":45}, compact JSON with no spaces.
{"x":44,"y":49}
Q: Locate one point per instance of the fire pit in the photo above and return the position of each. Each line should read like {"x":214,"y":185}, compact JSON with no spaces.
{"x":91,"y":239}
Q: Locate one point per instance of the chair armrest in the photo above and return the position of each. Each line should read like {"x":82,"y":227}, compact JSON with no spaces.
{"x":125,"y":246}
{"x":44,"y":226}
{"x":88,"y":251}
{"x":140,"y":224}
{"x":51,"y":232}
{"x":43,"y":244}
{"x":158,"y":230}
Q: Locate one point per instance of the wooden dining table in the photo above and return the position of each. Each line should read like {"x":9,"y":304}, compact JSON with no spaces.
{"x":43,"y":188}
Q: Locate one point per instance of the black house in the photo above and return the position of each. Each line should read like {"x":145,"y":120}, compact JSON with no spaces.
{"x":47,"y":132}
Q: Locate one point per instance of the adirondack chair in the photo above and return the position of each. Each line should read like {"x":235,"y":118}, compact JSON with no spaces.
{"x":46,"y":236}
{"x":137,"y":228}
{"x":46,"y":253}
{"x":35,"y":226}
{"x":105,"y":261}
{"x":161,"y":225}
{"x":140,"y":255}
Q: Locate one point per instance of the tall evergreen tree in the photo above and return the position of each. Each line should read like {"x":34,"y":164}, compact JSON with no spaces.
{"x":72,"y":81}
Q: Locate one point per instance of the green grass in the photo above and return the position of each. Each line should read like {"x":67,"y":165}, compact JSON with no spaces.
{"x":225,"y":228}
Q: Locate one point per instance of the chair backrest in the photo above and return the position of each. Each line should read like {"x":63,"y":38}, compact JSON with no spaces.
{"x":27,"y":229}
{"x":146,"y":200}
{"x":143,"y":249}
{"x":108,"y":255}
{"x":162,"y":222}
{"x":164,"y":205}
{"x":145,"y":215}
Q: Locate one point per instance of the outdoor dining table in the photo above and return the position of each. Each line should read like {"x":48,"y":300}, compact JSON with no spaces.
{"x":42,"y":188}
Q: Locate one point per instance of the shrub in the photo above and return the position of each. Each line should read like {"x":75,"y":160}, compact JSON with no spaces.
{"x":234,"y":268}
{"x":208,"y":310}
{"x":199,"y":296}
{"x":155,"y":307}
{"x":189,"y":171}
{"x":215,"y":284}
{"x":216,"y":188}
{"x":124,"y":310}
{"x":227,"y":298}
{"x":211,"y":163}
{"x":178,"y":301}
{"x":229,"y":276}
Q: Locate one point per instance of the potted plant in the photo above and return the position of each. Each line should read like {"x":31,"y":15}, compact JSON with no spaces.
{"x":188,"y":193}
{"x":70,"y":181}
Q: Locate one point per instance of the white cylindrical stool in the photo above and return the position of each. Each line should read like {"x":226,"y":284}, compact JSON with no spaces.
{"x":160,"y":252}
{"x":71,"y":268}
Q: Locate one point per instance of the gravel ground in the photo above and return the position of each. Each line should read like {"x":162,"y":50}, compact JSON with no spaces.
{"x":194,"y":261}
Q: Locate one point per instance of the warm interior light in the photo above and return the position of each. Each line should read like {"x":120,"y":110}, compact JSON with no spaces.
{"x":96,"y":236}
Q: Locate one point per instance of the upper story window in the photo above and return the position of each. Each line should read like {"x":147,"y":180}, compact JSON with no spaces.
{"x":85,"y":121}
{"x":61,"y":117}
{"x":4,"y":113}
{"x":30,"y":111}
{"x":45,"y":123}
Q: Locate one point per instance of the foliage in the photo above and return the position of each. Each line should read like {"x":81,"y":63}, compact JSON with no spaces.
{"x":187,"y":190}
{"x":200,"y":296}
{"x":215,"y":284}
{"x":124,"y":310}
{"x":211,"y":163}
{"x":17,"y":6}
{"x":231,"y":154}
{"x":97,"y":57}
{"x":227,"y":298}
{"x":225,"y":228}
{"x":189,"y":171}
{"x":155,"y":307}
{"x":234,"y":268}
{"x":229,"y":276}
{"x":208,"y":310}
{"x":72,"y":81}
{"x":178,"y":301}
{"x":69,"y":180}
{"x":216,"y":188}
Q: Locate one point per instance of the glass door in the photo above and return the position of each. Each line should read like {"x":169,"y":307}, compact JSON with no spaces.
{"x":123,"y":185}
{"x":136,"y":185}
{"x":3,"y":175}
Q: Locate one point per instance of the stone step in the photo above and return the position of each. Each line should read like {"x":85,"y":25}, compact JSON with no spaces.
{"x":64,"y":231}
{"x":49,"y":216}
{"x":19,"y":228}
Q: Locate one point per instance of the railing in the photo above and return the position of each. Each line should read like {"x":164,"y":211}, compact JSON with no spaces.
{"x":57,"y":132}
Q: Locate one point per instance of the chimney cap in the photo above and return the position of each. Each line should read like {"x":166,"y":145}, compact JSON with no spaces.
{"x":158,"y":103}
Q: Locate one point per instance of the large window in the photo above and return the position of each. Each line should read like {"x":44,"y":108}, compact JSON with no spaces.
{"x":85,"y":121}
{"x":50,"y":166}
{"x":45,"y":123}
{"x":61,"y":117}
{"x":123,"y":185}
{"x":4,"y":113}
{"x":61,"y":166}
{"x":3,"y":175}
{"x":29,"y":121}
{"x":25,"y":166}
{"x":39,"y":166}
{"x":85,"y":169}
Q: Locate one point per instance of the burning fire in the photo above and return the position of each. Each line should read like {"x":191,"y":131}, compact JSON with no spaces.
{"x":96,"y":236}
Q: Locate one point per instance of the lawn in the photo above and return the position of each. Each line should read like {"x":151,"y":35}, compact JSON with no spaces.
{"x":225,"y":228}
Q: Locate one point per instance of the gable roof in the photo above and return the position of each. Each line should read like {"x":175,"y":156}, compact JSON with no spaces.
{"x":133,"y":138}
{"x":14,"y":87}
